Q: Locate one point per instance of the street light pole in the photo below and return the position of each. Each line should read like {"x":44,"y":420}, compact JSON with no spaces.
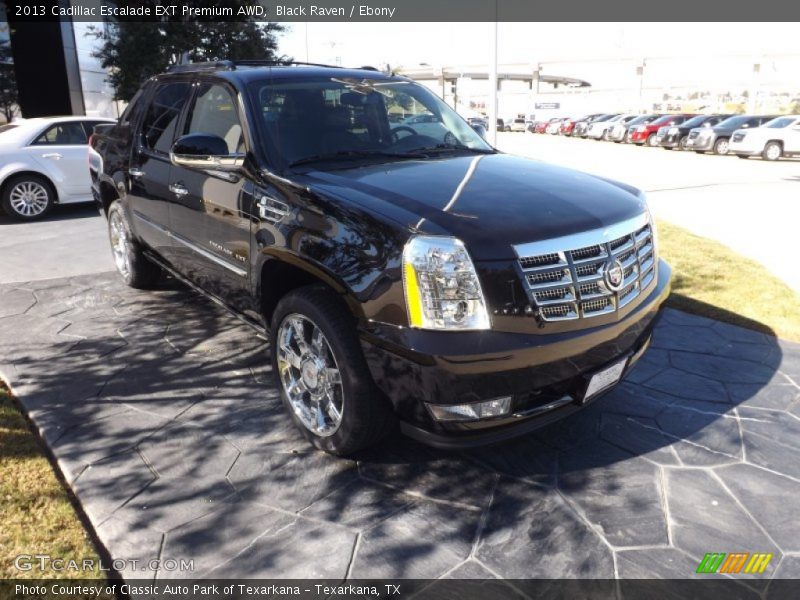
{"x":492,"y":104}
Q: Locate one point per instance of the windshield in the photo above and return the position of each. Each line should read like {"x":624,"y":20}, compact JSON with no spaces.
{"x":641,"y":119}
{"x":733,"y":122}
{"x":696,"y":121}
{"x":345,"y":118}
{"x":665,"y":120}
{"x":780,"y":122}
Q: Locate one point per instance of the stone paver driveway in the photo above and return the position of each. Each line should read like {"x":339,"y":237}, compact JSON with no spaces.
{"x":160,"y":410}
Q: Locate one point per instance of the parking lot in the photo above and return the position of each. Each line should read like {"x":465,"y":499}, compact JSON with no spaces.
{"x":749,"y":205}
{"x":161,"y":412}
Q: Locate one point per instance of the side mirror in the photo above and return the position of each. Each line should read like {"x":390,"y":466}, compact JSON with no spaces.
{"x":204,"y":151}
{"x":480,"y":130}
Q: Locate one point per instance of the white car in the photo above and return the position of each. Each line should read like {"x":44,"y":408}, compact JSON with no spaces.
{"x":775,"y":138}
{"x":44,"y":162}
{"x":600,"y":130}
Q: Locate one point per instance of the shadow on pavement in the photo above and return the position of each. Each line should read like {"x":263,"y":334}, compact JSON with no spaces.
{"x":161,"y":411}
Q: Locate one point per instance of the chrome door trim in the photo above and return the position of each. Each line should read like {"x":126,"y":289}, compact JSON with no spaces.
{"x":192,"y":246}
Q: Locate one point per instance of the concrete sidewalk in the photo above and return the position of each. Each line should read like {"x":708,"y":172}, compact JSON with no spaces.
{"x":161,"y":412}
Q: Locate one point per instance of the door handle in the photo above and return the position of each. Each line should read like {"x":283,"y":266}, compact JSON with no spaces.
{"x":53,"y":155}
{"x":178,"y":189}
{"x":136,"y":172}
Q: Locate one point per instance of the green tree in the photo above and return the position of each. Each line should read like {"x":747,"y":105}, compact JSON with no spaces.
{"x":8,"y":84}
{"x":133,"y":50}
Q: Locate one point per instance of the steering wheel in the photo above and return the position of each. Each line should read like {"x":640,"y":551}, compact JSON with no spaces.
{"x":402,"y":128}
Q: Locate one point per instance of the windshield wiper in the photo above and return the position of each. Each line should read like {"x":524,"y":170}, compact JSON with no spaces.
{"x":451,"y":148}
{"x":350,"y":154}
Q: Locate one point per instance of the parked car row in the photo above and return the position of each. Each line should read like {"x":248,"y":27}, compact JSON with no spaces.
{"x":768,"y":136}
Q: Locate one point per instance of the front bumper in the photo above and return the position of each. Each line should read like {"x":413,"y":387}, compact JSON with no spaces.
{"x":639,"y":137}
{"x":700,"y":143}
{"x":671,"y":140}
{"x":744,"y":149}
{"x":416,"y":367}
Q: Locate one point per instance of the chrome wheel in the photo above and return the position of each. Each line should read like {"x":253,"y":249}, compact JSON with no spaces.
{"x":118,"y":235}
{"x":29,"y":198}
{"x":310,"y":375}
{"x":722,"y":147}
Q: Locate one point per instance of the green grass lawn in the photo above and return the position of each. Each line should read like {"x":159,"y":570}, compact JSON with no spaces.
{"x":37,"y":516}
{"x":712,"y":280}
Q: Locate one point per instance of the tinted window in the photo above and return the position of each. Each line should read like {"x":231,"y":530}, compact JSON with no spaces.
{"x":161,"y":119}
{"x":63,"y":134}
{"x":88,"y":126}
{"x":214,"y":112}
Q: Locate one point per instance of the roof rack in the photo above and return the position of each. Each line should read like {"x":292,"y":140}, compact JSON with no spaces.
{"x":230,"y":65}
{"x":202,"y":66}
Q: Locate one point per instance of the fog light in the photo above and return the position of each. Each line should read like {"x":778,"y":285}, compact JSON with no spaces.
{"x":496,"y":407}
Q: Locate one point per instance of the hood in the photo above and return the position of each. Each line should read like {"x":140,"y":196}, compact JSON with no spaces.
{"x":490,"y":202}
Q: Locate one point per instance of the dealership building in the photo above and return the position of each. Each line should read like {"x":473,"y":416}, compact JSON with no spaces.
{"x":55,"y":71}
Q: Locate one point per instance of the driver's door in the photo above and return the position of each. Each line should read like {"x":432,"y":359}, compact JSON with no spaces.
{"x":210,"y":211}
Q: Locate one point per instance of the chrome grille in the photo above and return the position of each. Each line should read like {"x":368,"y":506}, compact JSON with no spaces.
{"x":566,"y":276}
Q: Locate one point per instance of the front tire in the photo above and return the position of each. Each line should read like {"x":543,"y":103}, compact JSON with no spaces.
{"x":772,"y":151}
{"x":28,"y":197}
{"x":651,"y":140}
{"x":722,"y":146}
{"x":132,"y":265}
{"x":320,"y":370}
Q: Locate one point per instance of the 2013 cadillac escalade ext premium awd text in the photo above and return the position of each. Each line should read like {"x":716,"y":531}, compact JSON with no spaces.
{"x":401,"y":274}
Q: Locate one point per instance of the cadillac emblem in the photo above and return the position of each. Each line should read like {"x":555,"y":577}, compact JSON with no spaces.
{"x":613,"y":275}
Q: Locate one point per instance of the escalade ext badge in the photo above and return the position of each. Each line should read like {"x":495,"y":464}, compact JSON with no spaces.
{"x":312,"y":255}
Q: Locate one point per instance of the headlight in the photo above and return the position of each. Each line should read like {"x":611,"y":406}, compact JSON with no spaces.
{"x":641,"y":128}
{"x":441,"y":285}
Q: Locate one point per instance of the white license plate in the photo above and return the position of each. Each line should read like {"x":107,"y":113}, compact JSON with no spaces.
{"x":605,"y":379}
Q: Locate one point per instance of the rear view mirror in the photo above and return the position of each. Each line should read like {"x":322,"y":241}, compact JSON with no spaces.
{"x":204,"y":151}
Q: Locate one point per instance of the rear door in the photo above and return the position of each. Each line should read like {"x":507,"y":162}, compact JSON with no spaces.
{"x":210,"y":211}
{"x":149,"y":173}
{"x":61,"y":152}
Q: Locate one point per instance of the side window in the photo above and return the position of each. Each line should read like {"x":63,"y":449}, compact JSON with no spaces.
{"x":63,"y":134}
{"x":214,"y":112}
{"x":161,"y":118}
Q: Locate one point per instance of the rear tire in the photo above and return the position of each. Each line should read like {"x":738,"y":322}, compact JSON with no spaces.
{"x":133,"y":266}
{"x":364,"y":414}
{"x":27,"y":197}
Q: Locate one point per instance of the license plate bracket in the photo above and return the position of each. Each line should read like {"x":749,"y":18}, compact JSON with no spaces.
{"x":605,"y":378}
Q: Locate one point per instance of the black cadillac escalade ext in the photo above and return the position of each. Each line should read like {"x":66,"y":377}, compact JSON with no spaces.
{"x":403,"y":268}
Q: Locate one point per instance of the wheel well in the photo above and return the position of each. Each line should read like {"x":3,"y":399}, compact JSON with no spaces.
{"x":779,"y":142}
{"x":278,"y":278}
{"x":13,"y":176}
{"x":107,"y":195}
